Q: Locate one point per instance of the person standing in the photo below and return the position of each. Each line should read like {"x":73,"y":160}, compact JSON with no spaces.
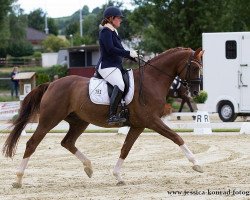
{"x":14,"y":83}
{"x":110,"y":62}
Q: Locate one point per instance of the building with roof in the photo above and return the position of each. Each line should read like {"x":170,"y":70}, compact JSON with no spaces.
{"x":81,"y":60}
{"x":35,"y":37}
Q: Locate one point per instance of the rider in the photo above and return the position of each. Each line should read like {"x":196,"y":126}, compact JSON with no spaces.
{"x":110,"y":62}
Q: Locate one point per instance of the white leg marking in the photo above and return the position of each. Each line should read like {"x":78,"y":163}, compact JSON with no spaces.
{"x":20,"y":172}
{"x":190,"y":156}
{"x":117,"y":169}
{"x":81,"y":157}
{"x":86,"y":162}
{"x":23,"y":165}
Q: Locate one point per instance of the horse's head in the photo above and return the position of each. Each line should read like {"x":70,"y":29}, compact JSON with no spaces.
{"x":190,"y":73}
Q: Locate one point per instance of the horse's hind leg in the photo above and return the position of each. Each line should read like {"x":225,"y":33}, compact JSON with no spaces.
{"x":44,"y":126}
{"x":132,"y":135}
{"x":165,"y":131}
{"x":31,"y":146}
{"x":76,"y":128}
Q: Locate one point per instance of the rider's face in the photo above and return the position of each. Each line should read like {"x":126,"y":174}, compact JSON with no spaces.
{"x":117,"y":22}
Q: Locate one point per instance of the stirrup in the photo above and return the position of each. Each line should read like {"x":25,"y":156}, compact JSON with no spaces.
{"x":114,"y":119}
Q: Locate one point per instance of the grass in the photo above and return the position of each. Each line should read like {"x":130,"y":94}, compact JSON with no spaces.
{"x":21,"y":69}
{"x":5,"y":96}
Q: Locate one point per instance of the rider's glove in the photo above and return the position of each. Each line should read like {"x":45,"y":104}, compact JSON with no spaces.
{"x":133,"y":54}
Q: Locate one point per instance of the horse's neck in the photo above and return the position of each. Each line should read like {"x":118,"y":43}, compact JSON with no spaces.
{"x":167,"y":64}
{"x":160,"y":72}
{"x":152,"y":78}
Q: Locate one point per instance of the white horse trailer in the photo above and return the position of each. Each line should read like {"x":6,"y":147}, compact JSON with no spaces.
{"x":226,"y":73}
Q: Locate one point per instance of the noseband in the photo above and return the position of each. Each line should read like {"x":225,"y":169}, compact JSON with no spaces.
{"x":187,"y":82}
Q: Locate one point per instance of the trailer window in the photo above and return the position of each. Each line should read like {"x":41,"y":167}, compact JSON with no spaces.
{"x":231,"y":49}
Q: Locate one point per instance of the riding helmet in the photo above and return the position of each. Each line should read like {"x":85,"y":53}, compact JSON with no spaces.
{"x":112,"y":11}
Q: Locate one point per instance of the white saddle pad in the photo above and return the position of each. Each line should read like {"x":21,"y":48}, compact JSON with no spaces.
{"x":98,"y":90}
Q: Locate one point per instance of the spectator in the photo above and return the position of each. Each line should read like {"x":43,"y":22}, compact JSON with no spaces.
{"x":14,"y":83}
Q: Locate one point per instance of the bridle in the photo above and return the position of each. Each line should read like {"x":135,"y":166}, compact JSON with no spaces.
{"x":187,"y":82}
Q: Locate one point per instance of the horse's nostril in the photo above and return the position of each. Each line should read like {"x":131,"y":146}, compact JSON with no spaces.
{"x":195,"y":93}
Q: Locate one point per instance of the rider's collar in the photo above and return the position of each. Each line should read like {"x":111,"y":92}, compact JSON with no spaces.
{"x":111,"y":27}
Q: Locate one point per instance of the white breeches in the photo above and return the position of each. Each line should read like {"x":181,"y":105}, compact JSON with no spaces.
{"x":112,"y":75}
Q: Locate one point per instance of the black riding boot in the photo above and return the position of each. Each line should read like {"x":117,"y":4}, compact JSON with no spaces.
{"x":114,"y":102}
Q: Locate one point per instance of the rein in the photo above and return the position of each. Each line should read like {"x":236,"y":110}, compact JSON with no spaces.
{"x":186,"y":82}
{"x":187,"y":79}
{"x":141,"y":70}
{"x":148,"y":63}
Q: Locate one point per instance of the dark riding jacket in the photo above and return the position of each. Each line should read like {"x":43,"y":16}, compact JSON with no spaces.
{"x":111,"y":49}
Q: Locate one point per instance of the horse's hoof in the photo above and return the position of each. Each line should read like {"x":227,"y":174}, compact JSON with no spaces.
{"x":198,"y":168}
{"x":88,"y":171}
{"x":16,"y":185}
{"x":120,"y":183}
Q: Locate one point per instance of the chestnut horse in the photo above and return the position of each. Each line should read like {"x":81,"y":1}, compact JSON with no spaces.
{"x":68,"y":99}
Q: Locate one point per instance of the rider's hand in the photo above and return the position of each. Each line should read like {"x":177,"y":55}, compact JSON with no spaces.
{"x":133,"y":54}
{"x":133,"y":59}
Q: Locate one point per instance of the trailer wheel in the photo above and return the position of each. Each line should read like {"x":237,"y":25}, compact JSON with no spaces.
{"x":226,"y":111}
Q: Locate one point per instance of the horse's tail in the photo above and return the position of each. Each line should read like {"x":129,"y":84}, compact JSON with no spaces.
{"x":30,"y":107}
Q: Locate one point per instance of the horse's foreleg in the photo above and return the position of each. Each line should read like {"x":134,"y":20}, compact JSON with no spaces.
{"x":165,"y":131}
{"x":132,"y":135}
{"x":190,"y":156}
{"x":75,"y":130}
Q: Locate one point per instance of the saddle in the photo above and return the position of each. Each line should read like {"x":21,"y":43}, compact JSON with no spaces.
{"x":100,"y":92}
{"x":125,"y":77}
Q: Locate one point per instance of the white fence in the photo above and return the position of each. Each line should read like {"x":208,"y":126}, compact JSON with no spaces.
{"x":9,"y":109}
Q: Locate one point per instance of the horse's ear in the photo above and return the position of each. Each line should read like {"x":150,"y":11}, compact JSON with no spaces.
{"x":198,"y":53}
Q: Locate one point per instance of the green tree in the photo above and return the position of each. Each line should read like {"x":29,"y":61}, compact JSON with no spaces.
{"x":5,"y":8}
{"x":4,"y":37}
{"x":72,"y":29}
{"x":4,"y":26}
{"x":36,"y":20}
{"x":18,"y":45}
{"x":53,"y":43}
{"x":53,"y":28}
{"x":20,"y":48}
{"x":90,"y":28}
{"x":170,"y":23}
